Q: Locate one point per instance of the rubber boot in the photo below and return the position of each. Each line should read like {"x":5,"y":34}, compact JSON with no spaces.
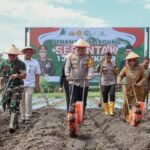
{"x":13,"y":122}
{"x":111,"y":108}
{"x":106,"y":108}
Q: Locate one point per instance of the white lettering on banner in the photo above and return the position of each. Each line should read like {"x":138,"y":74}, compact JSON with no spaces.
{"x":60,"y":58}
{"x":63,"y":50}
{"x":93,"y":50}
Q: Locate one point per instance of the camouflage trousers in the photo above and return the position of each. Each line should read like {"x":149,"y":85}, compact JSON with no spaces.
{"x":12,"y":97}
{"x":11,"y":102}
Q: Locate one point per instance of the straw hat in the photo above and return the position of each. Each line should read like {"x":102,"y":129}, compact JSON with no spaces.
{"x":28,"y":48}
{"x":13,"y":50}
{"x":81,"y":43}
{"x":132,"y":55}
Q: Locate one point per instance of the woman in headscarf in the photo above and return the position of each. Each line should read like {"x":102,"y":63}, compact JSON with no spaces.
{"x":135,"y":78}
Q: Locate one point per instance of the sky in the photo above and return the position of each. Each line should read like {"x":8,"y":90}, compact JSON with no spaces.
{"x":15,"y":15}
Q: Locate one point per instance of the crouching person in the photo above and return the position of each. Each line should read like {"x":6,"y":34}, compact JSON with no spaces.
{"x":108,"y":73}
{"x":13,"y":71}
{"x":78,"y":70}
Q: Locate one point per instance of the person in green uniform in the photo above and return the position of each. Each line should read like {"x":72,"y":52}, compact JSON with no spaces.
{"x":12,"y":73}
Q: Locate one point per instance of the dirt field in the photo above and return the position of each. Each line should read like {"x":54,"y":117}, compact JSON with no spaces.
{"x":98,"y":132}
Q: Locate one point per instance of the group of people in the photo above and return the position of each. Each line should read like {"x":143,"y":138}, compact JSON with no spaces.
{"x":19,"y":79}
{"x":79,"y":68}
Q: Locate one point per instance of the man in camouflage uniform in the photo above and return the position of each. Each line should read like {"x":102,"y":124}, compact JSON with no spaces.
{"x":12,"y":71}
{"x":78,"y":70}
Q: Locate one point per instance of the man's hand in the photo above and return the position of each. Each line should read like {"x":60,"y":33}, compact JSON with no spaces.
{"x":68,"y":78}
{"x":118,"y":85}
{"x":60,"y":89}
{"x":14,"y":76}
{"x":37,"y":89}
{"x":89,"y":77}
{"x":138,"y":84}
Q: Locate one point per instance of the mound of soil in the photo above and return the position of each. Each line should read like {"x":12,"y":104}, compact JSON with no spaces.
{"x":98,"y":132}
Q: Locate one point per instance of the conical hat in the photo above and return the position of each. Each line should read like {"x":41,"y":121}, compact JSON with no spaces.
{"x":13,"y":50}
{"x":81,"y":43}
{"x":30,"y":48}
{"x":132,"y":55}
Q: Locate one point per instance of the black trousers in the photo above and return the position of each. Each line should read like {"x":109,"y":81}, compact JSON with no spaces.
{"x":66,"y":87}
{"x":76,"y":94}
{"x":108,"y":90}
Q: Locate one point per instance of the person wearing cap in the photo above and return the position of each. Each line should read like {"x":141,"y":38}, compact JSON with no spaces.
{"x":78,"y":70}
{"x":128,"y":49}
{"x":13,"y":71}
{"x":108,"y":72}
{"x":135,"y":77}
{"x":46,"y":64}
{"x":31,"y":83}
{"x":64,"y":83}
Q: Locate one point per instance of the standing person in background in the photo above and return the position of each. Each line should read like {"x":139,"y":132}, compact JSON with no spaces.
{"x":31,"y":82}
{"x":108,"y":73}
{"x":128,"y":49}
{"x":12,"y":72}
{"x":145,"y":64}
{"x":78,"y":70}
{"x":64,"y":83}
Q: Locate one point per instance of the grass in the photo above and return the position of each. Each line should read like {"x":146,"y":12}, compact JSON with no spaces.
{"x":91,"y":94}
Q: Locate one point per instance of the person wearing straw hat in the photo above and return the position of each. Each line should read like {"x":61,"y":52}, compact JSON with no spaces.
{"x":31,"y":83}
{"x":134,"y":74}
{"x":13,"y":72}
{"x":78,"y":70}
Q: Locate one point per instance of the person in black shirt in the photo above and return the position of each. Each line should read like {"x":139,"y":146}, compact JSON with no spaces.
{"x":64,"y":84}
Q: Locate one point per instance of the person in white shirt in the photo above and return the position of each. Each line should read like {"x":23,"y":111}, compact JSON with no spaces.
{"x":31,"y":83}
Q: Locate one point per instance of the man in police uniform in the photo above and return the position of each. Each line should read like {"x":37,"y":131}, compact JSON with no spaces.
{"x":78,"y":70}
{"x":46,"y":64}
{"x":12,"y":72}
